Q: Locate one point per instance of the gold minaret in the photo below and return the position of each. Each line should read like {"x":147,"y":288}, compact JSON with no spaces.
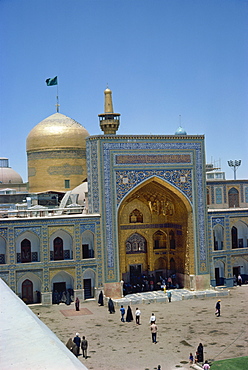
{"x":109,"y":121}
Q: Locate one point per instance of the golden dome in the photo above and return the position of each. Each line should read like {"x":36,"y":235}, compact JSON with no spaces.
{"x":57,"y":131}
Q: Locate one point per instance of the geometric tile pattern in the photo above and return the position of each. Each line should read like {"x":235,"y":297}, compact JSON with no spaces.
{"x":119,"y":163}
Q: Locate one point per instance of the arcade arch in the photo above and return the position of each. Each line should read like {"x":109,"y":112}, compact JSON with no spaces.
{"x":27,"y":247}
{"x":62,"y":282}
{"x":61,"y":246}
{"x":89,"y":283}
{"x":161,"y":216}
{"x":239,"y":232}
{"x":29,"y":288}
{"x":240,"y":266}
{"x":88,"y":245}
{"x":219,"y":270}
{"x":218,"y":237}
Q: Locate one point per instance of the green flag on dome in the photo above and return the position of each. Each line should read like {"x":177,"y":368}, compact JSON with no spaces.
{"x":52,"y":81}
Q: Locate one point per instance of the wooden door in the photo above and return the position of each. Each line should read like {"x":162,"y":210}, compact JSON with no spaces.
{"x":27,"y":291}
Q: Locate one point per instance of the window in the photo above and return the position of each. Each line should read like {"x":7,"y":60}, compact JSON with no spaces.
{"x":246,"y":194}
{"x":58,"y":249}
{"x":159,"y":239}
{"x":218,"y":234}
{"x":233,"y":198}
{"x":87,"y":251}
{"x":218,"y":195}
{"x":25,"y":251}
{"x":136,"y":244}
{"x":135,"y":216}
{"x":210,"y":175}
{"x":67,"y":184}
{"x":234,"y":237}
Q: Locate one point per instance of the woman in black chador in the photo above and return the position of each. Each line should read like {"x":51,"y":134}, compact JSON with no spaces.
{"x":100,"y":299}
{"x":200,"y":353}
{"x":111,"y":307}
{"x":129,"y":316}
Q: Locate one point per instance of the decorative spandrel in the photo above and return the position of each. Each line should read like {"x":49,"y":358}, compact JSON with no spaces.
{"x":127,"y":180}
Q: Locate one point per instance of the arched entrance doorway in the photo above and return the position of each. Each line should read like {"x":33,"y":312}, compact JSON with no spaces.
{"x":27,"y":291}
{"x":62,"y":287}
{"x":155,"y":235}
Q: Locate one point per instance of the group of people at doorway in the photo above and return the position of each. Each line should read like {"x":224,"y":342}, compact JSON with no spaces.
{"x":63,"y":297}
{"x":75,"y":344}
{"x":143,"y":283}
{"x":237,"y":280}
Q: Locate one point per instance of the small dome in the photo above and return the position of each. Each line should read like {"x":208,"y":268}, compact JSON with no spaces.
{"x":57,"y":131}
{"x":7,"y":174}
{"x":180,"y":131}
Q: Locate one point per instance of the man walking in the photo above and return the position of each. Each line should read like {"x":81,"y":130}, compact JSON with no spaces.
{"x":137,"y":316}
{"x":152,"y":318}
{"x":217,"y":306}
{"x":84,"y":346}
{"x":122,"y":310}
{"x":154,"y":330}
{"x":77,"y":341}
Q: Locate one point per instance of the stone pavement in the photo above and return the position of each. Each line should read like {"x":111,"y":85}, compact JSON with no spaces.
{"x":158,"y":296}
{"x":182,"y":325}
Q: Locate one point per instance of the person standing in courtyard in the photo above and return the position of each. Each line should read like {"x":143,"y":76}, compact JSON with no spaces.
{"x":77,"y":341}
{"x":122,"y":311}
{"x":191,"y":358}
{"x":111,"y":306}
{"x":154,"y":330}
{"x":77,"y":302}
{"x":84,"y":346}
{"x":152,"y":318}
{"x":129,"y":316}
{"x":137,"y":316}
{"x":217,"y":307}
{"x":200,"y":352}
{"x":169,"y":295}
{"x":239,"y":280}
{"x":100,"y":299}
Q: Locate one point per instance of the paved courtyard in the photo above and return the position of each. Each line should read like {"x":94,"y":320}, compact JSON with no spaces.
{"x":182,"y":324}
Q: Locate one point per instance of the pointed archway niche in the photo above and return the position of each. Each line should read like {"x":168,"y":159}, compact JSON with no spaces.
{"x":155,"y":229}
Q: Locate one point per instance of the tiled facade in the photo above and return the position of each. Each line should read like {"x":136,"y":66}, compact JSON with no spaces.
{"x":43,"y":269}
{"x":228,"y":230}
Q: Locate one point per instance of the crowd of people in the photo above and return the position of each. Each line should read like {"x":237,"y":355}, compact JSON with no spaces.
{"x":145,"y":283}
{"x":66,"y":296}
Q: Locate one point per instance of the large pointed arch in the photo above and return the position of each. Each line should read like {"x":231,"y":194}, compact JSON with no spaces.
{"x":166,"y":211}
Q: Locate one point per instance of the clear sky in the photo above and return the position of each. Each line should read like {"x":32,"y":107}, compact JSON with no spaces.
{"x":161,"y":59}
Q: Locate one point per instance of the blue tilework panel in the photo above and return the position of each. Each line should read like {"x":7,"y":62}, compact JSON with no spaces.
{"x":3,"y":233}
{"x":217,"y":221}
{"x":20,"y":230}
{"x":127,"y":180}
{"x":92,"y":167}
